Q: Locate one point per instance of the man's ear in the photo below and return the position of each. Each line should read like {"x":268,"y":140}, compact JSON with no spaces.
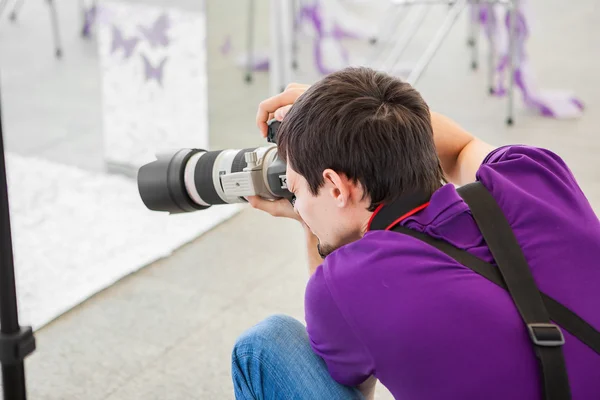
{"x":337,"y":186}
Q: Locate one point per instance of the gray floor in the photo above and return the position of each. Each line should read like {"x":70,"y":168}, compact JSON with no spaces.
{"x":166,"y":332}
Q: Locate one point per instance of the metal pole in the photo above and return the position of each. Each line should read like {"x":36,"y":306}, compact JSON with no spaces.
{"x":474,"y":39}
{"x":55,"y":32}
{"x":295,"y":27}
{"x":13,"y":370}
{"x":492,"y":50}
{"x":16,"y":9}
{"x":437,"y":41}
{"x":250,"y":43}
{"x":511,"y":60}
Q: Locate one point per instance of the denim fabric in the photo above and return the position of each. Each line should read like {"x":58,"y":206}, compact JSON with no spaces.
{"x":274,"y":360}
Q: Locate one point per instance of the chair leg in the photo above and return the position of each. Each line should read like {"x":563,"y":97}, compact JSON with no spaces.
{"x":55,"y":31}
{"x":15,"y":12}
{"x":250,"y":42}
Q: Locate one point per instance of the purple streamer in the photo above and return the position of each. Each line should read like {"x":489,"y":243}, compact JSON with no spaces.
{"x":313,"y":15}
{"x":554,"y":105}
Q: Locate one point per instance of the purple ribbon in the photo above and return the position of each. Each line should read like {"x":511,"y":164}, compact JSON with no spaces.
{"x":557,"y":104}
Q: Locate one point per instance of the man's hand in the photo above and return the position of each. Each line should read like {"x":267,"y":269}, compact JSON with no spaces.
{"x":283,"y":208}
{"x":278,"y":105}
{"x":277,"y":208}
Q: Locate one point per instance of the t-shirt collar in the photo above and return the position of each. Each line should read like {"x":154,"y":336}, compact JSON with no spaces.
{"x":386,"y":216}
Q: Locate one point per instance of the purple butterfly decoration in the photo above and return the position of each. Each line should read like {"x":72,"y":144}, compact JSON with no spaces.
{"x":156,"y":35}
{"x":152,"y":72}
{"x":119,"y":42}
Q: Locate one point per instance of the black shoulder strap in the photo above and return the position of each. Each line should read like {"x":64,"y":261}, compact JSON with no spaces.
{"x":560,"y":314}
{"x":514,"y":275}
{"x":547,"y":337}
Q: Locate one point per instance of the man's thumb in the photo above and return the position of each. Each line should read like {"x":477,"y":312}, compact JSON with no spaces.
{"x":281,"y":112}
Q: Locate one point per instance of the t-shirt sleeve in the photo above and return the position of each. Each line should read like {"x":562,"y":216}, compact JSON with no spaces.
{"x":331,"y":337}
{"x":530,"y":170}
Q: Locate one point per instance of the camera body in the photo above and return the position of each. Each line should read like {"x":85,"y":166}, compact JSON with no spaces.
{"x":188,"y":180}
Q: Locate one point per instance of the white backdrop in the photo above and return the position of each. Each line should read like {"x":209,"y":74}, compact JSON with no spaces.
{"x":76,"y":232}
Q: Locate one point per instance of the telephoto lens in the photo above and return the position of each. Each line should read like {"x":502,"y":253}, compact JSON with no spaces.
{"x":192,"y":179}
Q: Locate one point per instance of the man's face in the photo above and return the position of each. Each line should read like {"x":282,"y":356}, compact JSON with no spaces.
{"x":330,"y":217}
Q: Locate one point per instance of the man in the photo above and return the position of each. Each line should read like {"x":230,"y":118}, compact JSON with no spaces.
{"x":385,"y":306}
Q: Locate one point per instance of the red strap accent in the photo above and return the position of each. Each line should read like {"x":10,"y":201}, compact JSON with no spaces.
{"x":408,"y":214}
{"x":373,"y":216}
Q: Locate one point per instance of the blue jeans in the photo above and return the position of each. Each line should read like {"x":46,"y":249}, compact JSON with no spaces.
{"x":274,"y":360}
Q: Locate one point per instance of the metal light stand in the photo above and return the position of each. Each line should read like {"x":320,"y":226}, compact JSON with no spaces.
{"x":16,"y":342}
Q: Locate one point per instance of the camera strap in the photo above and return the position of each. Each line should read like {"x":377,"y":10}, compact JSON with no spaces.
{"x":385,"y":217}
{"x":513,"y":274}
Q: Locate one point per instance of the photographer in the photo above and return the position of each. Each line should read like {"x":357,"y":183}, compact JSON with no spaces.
{"x":366,"y":155}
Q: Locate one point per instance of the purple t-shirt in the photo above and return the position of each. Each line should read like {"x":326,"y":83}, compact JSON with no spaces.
{"x":427,"y":327}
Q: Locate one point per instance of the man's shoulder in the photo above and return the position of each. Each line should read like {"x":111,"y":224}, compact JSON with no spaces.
{"x":521,"y":175}
{"x":521,"y":162}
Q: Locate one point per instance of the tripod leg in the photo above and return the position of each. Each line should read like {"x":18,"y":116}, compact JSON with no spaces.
{"x":55,"y":31}
{"x":16,"y":9}
{"x":250,"y":46}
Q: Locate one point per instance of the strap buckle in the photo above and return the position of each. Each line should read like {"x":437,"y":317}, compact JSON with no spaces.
{"x":546,"y":335}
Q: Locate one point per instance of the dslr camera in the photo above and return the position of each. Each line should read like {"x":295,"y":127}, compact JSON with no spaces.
{"x":192,"y":179}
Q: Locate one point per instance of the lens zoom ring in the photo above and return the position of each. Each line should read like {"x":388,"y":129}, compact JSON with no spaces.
{"x":239,"y":161}
{"x":203,"y":177}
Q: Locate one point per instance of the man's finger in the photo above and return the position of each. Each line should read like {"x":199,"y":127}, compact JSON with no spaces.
{"x":296,"y":86}
{"x":276,"y":208}
{"x":262,"y":204}
{"x":271,"y":104}
{"x":281,"y":112}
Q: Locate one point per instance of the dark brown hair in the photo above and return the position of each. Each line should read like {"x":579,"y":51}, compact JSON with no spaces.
{"x":369,"y":126}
